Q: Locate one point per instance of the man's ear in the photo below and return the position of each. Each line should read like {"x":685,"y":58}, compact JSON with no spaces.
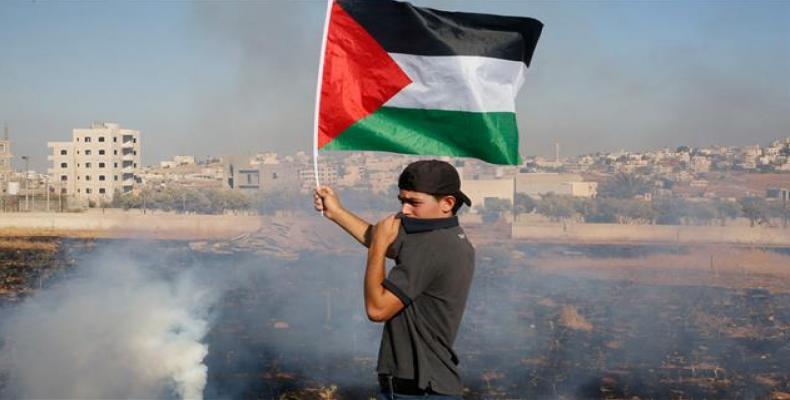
{"x":447,"y":203}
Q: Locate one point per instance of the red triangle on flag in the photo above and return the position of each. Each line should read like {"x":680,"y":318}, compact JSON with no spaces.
{"x":358,"y":77}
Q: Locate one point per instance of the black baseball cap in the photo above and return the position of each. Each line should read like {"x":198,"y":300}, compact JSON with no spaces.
{"x":433,"y":177}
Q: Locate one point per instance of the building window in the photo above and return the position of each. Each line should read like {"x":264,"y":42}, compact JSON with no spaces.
{"x":87,"y":139}
{"x":135,"y":140}
{"x":63,"y":165}
{"x":64,"y":177}
{"x":115,"y":165}
{"x":62,"y":190}
{"x":135,"y":152}
{"x":87,"y":177}
{"x":101,"y":177}
{"x":135,"y":165}
{"x":116,"y":177}
{"x":115,"y":152}
{"x":115,"y":140}
{"x":101,"y":190}
{"x":87,"y":165}
{"x":101,"y":152}
{"x":101,"y":138}
{"x":78,"y":190}
{"x":87,"y":152}
{"x":63,"y":152}
{"x":88,"y":190}
{"x":101,"y":165}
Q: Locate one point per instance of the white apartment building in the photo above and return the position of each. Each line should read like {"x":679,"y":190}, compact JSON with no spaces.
{"x":5,"y":162}
{"x":538,"y":184}
{"x":97,"y":162}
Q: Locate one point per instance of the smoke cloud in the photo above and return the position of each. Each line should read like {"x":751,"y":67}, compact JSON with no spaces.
{"x":117,"y":329}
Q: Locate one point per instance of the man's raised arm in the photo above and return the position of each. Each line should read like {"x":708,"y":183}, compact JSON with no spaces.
{"x":325,"y":199}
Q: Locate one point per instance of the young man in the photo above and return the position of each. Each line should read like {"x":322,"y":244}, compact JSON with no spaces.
{"x":422,"y":299}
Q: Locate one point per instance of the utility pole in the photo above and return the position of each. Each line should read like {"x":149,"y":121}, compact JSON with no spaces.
{"x":27,"y":184}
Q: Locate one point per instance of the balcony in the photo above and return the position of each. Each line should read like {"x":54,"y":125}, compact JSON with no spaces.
{"x":128,"y":157}
{"x":127,"y":145}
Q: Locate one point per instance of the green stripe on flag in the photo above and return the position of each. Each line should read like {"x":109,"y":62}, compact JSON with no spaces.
{"x":490,"y":136}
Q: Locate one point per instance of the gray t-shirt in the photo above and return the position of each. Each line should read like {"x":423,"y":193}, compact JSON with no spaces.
{"x":432,"y":276}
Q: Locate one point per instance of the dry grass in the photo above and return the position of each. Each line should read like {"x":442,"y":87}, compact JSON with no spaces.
{"x":703,"y":265}
{"x":24,"y":244}
{"x":48,"y":232}
{"x":570,"y":318}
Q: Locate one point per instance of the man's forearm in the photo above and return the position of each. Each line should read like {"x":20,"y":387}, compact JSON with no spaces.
{"x":354,"y":225}
{"x":374,"y":278}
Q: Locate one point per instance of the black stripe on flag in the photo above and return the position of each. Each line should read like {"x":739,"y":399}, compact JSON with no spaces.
{"x":403,"y":28}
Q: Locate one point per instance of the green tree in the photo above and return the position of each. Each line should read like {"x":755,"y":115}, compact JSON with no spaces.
{"x":726,"y":210}
{"x":754,"y":208}
{"x":624,"y":186}
{"x":494,"y":207}
{"x":556,"y":207}
{"x":524,"y":203}
{"x":669,"y":211}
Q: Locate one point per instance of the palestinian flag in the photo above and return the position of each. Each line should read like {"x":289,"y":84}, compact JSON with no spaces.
{"x":414,"y":80}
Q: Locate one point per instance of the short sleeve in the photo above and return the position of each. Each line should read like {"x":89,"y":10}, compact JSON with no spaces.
{"x":407,"y":282}
{"x":394,"y":250}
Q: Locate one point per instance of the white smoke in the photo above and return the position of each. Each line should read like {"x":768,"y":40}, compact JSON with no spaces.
{"x":115,"y":330}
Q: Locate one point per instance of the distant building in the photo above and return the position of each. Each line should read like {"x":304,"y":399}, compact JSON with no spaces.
{"x":96,"y":163}
{"x":240,"y":174}
{"x":327,"y":175}
{"x":279,"y":176}
{"x":5,"y":161}
{"x":538,"y":184}
{"x":184,"y":160}
{"x":177,"y":161}
{"x":250,"y":174}
{"x":478,"y":190}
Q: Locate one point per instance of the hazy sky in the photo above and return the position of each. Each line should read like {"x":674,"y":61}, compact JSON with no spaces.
{"x":211,"y":78}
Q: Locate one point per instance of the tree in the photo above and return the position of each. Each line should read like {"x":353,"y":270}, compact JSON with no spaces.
{"x":524,"y":203}
{"x":669,"y":211}
{"x":596,"y":210}
{"x":556,"y":207}
{"x":636,"y":211}
{"x":493,"y":208}
{"x":779,"y":210}
{"x":624,"y":186}
{"x":754,"y":208}
{"x":700,"y":212}
{"x":726,"y":210}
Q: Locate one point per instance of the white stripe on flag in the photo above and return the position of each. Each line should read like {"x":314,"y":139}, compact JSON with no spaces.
{"x":459,"y":83}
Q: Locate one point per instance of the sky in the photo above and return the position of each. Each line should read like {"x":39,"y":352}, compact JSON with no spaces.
{"x":214,"y":78}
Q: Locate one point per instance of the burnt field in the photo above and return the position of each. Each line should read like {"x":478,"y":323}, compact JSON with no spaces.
{"x":534,"y":326}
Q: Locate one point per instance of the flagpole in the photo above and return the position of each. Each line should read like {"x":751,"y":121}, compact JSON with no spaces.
{"x":318,"y":93}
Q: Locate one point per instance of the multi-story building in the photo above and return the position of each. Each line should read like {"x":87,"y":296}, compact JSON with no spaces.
{"x":538,"y":184}
{"x":98,"y":162}
{"x":5,"y":161}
